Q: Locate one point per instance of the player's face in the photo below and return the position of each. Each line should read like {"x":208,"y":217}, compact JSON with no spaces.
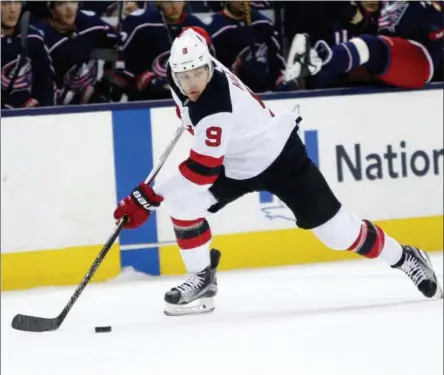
{"x":193,"y":82}
{"x":65,"y":12}
{"x":10,"y":13}
{"x":172,"y":9}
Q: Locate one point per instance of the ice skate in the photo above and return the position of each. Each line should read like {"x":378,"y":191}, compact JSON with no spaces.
{"x":415,"y":263}
{"x":195,"y":296}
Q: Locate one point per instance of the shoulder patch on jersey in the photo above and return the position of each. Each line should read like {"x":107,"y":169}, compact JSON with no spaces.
{"x":215,"y":99}
{"x":391,"y":15}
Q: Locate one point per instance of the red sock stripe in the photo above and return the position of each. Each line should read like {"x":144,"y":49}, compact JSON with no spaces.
{"x":186,"y":223}
{"x":370,"y":241}
{"x":191,"y":243}
{"x":191,"y":233}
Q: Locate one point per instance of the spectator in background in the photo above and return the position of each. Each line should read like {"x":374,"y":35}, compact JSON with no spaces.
{"x":245,"y":41}
{"x":72,"y":37}
{"x":147,"y":37}
{"x":27,"y":82}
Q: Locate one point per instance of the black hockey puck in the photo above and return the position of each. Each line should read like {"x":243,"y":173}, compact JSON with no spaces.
{"x":103,"y":329}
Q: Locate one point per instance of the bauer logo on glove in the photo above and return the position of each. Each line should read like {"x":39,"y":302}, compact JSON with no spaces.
{"x":138,"y":206}
{"x":142,"y":201}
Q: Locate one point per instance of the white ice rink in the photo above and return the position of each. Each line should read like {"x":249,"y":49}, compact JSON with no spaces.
{"x":349,"y":318}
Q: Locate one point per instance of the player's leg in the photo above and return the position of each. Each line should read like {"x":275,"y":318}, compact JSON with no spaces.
{"x":393,"y":60}
{"x":302,"y":187}
{"x":409,"y":63}
{"x":193,"y":235}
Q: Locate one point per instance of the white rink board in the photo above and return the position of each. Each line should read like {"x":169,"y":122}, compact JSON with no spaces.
{"x":371,"y":121}
{"x":57,"y":181}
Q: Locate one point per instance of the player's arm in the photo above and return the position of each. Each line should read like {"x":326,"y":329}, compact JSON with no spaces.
{"x":204,"y":163}
{"x":43,"y":87}
{"x":195,"y":174}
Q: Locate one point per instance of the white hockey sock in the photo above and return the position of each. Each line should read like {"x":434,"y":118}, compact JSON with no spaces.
{"x":196,"y":259}
{"x":391,"y":251}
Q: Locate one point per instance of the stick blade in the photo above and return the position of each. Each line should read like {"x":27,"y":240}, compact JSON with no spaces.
{"x":34,"y":323}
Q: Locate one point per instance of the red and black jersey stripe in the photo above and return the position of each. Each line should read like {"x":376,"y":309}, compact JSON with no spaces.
{"x":201,"y":169}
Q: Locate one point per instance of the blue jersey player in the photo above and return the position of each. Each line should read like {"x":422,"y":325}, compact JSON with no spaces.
{"x":32,"y":83}
{"x":71,"y":36}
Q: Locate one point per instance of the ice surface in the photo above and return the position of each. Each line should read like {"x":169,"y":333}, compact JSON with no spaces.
{"x":348,"y":318}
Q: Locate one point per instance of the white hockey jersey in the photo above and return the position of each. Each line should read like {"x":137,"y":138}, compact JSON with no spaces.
{"x":232,"y":128}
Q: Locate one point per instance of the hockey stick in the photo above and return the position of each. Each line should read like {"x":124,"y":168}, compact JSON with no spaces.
{"x":38,"y":324}
{"x":24,"y":24}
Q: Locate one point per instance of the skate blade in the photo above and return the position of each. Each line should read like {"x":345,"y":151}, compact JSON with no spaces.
{"x":201,"y":306}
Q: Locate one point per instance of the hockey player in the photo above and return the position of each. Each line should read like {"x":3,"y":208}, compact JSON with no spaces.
{"x":71,"y":36}
{"x":240,"y":146}
{"x":32,"y":83}
{"x":152,"y":31}
{"x":245,"y":41}
{"x":408,"y":52}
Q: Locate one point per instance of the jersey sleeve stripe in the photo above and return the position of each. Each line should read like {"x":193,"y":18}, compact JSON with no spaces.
{"x":199,"y":174}
{"x":205,"y":160}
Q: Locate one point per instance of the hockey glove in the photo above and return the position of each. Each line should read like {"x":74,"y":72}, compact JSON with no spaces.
{"x":138,"y":206}
{"x":303,"y":61}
